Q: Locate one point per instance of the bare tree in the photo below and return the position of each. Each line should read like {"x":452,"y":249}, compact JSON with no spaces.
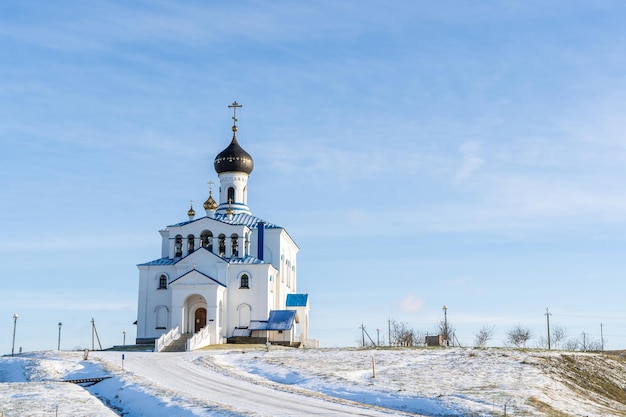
{"x":518,"y":336}
{"x":402,"y":335}
{"x":542,"y":342}
{"x":483,"y":336}
{"x":446,"y":331}
{"x":587,"y":344}
{"x":571,"y":344}
{"x":558,"y":334}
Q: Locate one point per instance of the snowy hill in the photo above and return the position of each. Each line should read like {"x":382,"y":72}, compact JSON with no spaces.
{"x":287,"y":382}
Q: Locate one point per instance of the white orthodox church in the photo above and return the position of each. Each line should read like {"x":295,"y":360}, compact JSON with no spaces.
{"x":224,"y":277}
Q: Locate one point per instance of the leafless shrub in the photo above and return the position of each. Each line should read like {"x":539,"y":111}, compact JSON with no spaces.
{"x":518,"y":336}
{"x":483,"y":336}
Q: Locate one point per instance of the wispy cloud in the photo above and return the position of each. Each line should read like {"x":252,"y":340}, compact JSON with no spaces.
{"x":471,"y":161}
{"x":411,"y":304}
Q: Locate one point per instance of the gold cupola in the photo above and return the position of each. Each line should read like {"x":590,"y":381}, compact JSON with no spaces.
{"x":191,"y":213}
{"x":210,"y":205}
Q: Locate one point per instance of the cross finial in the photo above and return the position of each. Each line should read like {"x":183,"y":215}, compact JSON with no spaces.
{"x":234,"y":106}
{"x":210,"y":187}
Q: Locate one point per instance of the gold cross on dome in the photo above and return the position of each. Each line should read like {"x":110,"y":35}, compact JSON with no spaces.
{"x":234,"y":106}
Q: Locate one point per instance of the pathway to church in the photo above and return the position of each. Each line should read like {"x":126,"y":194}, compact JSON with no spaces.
{"x":192,"y":376}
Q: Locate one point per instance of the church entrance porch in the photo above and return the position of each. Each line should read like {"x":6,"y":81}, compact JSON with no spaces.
{"x":194,"y":313}
{"x":200,"y":319}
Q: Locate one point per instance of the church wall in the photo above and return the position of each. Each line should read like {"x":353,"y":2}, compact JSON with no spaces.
{"x":284,"y":260}
{"x":150,"y":299}
{"x":257,"y":296}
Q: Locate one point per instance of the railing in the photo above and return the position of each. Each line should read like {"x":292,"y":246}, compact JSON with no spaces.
{"x":166,"y":339}
{"x":199,"y":340}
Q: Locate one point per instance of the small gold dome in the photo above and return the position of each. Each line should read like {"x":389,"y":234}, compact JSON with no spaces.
{"x":191,"y":211}
{"x":210,"y":203}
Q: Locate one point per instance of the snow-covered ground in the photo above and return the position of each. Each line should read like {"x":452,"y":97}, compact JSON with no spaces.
{"x":289,"y":382}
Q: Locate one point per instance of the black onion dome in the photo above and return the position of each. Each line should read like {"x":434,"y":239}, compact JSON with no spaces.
{"x":233,"y":159}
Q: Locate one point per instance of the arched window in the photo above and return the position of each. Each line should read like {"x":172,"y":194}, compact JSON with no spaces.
{"x":178,"y":246}
{"x":191,"y":244}
{"x":162,"y":282}
{"x":244,"y":316}
{"x":161,"y":317}
{"x":231,"y":195}
{"x":245,"y":281}
{"x":234,"y":251}
{"x":221,"y":245}
{"x":206,"y":240}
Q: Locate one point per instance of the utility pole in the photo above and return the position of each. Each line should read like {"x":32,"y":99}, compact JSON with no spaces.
{"x":389,"y":327}
{"x":362,"y":335}
{"x":59,"y":343}
{"x":602,"y":336}
{"x":377,"y":336}
{"x":548,"y":314}
{"x":94,"y":332}
{"x":15,"y":316}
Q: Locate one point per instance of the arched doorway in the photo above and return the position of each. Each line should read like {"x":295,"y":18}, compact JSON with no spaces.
{"x":195,"y":313}
{"x":199,"y":319}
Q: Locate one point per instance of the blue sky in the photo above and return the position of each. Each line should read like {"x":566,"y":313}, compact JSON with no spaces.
{"x":420,"y":154}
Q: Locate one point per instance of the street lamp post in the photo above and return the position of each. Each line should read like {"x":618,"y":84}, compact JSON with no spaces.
{"x":59,"y":344}
{"x":124,"y":333}
{"x":15,"y":316}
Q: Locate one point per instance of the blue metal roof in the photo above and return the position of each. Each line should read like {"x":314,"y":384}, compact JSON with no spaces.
{"x":257,"y":325}
{"x":245,"y":260}
{"x":297,"y":300}
{"x":242,"y":219}
{"x":278,"y":320}
{"x":281,"y":319}
{"x":162,"y":261}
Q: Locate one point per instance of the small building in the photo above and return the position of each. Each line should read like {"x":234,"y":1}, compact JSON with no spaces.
{"x":436,"y":340}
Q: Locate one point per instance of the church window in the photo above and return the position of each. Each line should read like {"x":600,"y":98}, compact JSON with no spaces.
{"x":161,"y":317}
{"x":191,"y":242}
{"x":221,"y":245}
{"x":245,"y":281}
{"x":178,"y":246}
{"x":234,"y":251}
{"x":243,"y":321}
{"x":231,"y":195}
{"x":206,"y":239}
{"x":163,"y":282}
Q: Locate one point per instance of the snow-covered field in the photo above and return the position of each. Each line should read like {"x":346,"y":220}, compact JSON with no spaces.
{"x":289,"y":382}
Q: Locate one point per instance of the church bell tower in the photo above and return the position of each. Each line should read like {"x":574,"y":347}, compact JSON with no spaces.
{"x":233,"y":166}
